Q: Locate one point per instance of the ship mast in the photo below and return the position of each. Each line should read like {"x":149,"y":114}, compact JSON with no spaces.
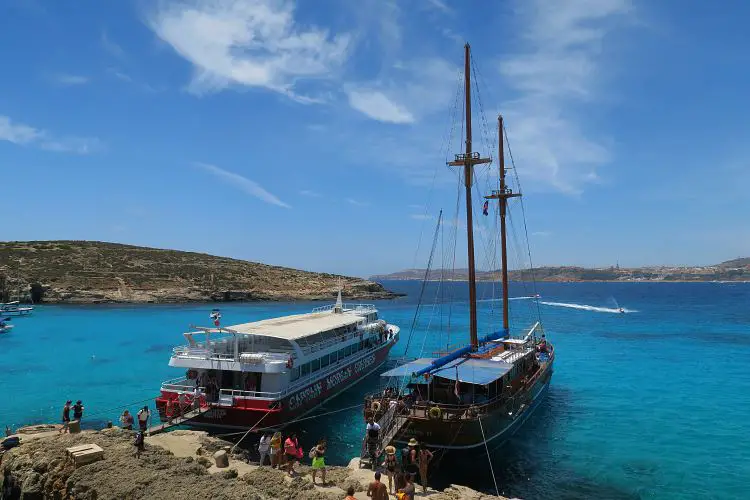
{"x":503,"y":194}
{"x":468,"y":160}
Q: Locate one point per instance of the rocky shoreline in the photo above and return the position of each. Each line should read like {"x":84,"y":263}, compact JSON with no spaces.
{"x":92,"y":272}
{"x":175,"y":465}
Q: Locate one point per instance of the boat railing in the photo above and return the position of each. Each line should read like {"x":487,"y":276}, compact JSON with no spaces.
{"x":355,"y":308}
{"x":236,"y":393}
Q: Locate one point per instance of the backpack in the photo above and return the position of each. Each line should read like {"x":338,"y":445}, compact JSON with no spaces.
{"x":312,"y":453}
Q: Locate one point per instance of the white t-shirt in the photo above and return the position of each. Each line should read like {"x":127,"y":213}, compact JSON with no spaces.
{"x":143,"y":416}
{"x":373,"y":426}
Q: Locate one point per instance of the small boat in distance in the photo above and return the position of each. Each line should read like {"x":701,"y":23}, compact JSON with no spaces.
{"x":15,"y":309}
{"x":5,"y":327}
{"x":483,"y":391}
{"x":267,"y":373}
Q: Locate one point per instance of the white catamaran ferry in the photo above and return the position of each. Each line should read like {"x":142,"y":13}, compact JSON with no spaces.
{"x":273,"y":371}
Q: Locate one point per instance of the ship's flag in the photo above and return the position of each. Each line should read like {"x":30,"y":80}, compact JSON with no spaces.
{"x":486,"y":207}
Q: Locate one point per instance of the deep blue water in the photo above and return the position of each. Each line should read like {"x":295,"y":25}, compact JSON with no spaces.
{"x":649,"y":404}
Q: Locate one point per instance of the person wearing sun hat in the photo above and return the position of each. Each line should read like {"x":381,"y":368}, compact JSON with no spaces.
{"x":390,"y":465}
{"x":411,"y":457}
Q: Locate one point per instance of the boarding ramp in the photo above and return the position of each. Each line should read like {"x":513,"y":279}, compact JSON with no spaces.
{"x":179,"y":420}
{"x":390,"y":424}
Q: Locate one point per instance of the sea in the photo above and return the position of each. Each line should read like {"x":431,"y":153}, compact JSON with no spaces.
{"x":650,"y":403}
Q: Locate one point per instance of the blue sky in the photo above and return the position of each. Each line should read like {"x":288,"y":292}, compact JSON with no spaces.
{"x":313,"y":134}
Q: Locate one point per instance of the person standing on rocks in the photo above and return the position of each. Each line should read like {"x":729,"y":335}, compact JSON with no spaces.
{"x":350,"y":493}
{"x":78,"y":410}
{"x":126,"y":420}
{"x":276,"y":454}
{"x":143,"y":415}
{"x":391,"y":466}
{"x":292,"y":451}
{"x":264,"y":447}
{"x":66,"y":417}
{"x":139,"y":443}
{"x":408,"y":490}
{"x":377,"y":490}
{"x":318,"y":461}
{"x":424,"y":459}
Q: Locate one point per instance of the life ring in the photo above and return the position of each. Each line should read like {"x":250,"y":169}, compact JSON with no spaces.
{"x":290,"y":362}
{"x":375,"y":406}
{"x":192,"y":374}
{"x":435,"y":413}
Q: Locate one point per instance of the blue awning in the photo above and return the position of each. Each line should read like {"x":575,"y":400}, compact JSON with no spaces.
{"x":409,"y":368}
{"x":474,"y":371}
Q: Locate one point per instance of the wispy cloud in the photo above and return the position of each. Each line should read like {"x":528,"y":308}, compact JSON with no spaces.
{"x":310,"y":194}
{"x":110,"y":46}
{"x":421,"y":217}
{"x":557,"y":69}
{"x":357,"y":203}
{"x":440,"y":5}
{"x":253,"y":43}
{"x":124,"y":77}
{"x":25,"y":135}
{"x":243,"y":183}
{"x":64,"y":79}
{"x":542,"y":234}
{"x":377,"y":106}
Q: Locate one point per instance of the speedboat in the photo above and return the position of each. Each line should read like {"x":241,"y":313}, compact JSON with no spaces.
{"x":5,"y":327}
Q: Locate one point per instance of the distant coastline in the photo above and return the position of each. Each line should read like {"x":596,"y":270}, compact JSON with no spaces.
{"x":732,"y":271}
{"x":93,"y":272}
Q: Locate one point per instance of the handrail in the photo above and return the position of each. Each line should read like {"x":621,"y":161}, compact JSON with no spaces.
{"x":347,"y":307}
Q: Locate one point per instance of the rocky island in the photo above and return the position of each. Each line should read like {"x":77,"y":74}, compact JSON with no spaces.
{"x":731,"y":270}
{"x":86,"y":272}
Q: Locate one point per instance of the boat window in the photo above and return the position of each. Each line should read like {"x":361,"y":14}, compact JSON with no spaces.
{"x":306,"y":369}
{"x":347,"y":350}
{"x":342,"y":353}
{"x":295,"y":373}
{"x":315,"y":365}
{"x":324,"y":361}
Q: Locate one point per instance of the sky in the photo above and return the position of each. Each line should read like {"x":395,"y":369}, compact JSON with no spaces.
{"x":314,"y":134}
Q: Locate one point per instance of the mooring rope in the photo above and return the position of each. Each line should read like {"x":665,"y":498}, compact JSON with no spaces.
{"x":489,"y":459}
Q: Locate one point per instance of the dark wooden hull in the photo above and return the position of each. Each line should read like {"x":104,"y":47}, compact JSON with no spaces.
{"x":495,"y":427}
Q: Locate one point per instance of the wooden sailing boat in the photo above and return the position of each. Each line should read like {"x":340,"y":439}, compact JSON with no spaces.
{"x":481,"y":392}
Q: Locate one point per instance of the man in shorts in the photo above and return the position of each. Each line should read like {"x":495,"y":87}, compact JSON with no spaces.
{"x":66,"y":417}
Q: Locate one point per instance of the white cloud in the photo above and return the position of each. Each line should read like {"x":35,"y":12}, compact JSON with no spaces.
{"x":112,"y":47}
{"x":254,"y":43}
{"x":357,"y":203}
{"x":63,"y":79}
{"x":243,"y":183}
{"x":421,"y":217}
{"x":557,"y":70}
{"x":25,"y":135}
{"x":378,"y":107}
{"x":542,"y":234}
{"x":310,"y":194}
{"x":440,"y":5}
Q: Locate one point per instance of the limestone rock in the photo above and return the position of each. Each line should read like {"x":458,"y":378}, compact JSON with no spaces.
{"x":222,"y":459}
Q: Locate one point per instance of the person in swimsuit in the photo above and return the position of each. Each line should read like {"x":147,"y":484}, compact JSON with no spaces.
{"x":318,"y":461}
{"x":390,"y":464}
{"x":66,"y":417}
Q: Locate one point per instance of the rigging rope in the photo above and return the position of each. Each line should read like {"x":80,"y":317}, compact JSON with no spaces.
{"x":489,"y":458}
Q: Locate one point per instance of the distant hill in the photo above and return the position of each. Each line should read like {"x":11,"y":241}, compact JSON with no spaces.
{"x":92,"y":272}
{"x":731,"y":270}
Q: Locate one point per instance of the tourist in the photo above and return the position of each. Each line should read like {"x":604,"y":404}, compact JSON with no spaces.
{"x":143,"y":415}
{"x":78,"y":410}
{"x":264,"y":447}
{"x":169,"y":410}
{"x":373,"y":435}
{"x":140,"y":443}
{"x":411,"y":457}
{"x":318,"y":461}
{"x":196,"y":397}
{"x":276,"y":455}
{"x":126,"y":420}
{"x":292,"y":452}
{"x":8,"y":432}
{"x":66,"y":417}
{"x":350,"y":493}
{"x":182,"y":403}
{"x":408,"y":490}
{"x":376,"y":489}
{"x":391,"y":466}
{"x":424,"y":459}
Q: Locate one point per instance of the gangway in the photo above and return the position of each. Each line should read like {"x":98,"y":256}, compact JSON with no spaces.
{"x":390,"y":424}
{"x":178,"y":420}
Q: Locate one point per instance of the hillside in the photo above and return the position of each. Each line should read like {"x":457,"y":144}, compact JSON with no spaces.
{"x":94,"y":272}
{"x":731,"y":270}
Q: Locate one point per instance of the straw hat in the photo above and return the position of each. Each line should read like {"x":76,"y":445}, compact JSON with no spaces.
{"x":321,"y":448}
{"x":390,"y":450}
{"x":413,"y":442}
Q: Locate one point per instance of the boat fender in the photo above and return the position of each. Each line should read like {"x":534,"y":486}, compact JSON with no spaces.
{"x":375,"y":406}
{"x":435,"y":413}
{"x":290,"y":362}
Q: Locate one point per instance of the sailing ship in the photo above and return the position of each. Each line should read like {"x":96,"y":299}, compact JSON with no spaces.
{"x":481,"y":392}
{"x":268,"y":373}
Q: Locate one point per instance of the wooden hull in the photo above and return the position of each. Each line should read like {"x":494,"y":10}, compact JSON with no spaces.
{"x":496,"y":427}
{"x":262,"y":413}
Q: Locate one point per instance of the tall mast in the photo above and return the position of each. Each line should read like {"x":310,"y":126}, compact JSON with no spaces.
{"x":468,"y":160}
{"x":503,"y":194}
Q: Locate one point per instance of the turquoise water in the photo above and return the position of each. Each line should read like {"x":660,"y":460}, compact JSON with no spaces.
{"x":649,"y":404}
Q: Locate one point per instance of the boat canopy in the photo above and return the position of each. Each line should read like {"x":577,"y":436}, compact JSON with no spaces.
{"x":409,"y":368}
{"x":473,"y":371}
{"x":293,"y":327}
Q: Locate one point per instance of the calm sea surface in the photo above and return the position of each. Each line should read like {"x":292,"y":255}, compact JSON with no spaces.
{"x":654,"y":403}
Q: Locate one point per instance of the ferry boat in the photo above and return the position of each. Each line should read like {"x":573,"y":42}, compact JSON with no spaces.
{"x":15,"y":309}
{"x":484,"y":391}
{"x":267,"y":373}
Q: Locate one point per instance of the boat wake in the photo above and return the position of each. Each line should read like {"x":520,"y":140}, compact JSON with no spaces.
{"x":584,"y":307}
{"x":530,"y":297}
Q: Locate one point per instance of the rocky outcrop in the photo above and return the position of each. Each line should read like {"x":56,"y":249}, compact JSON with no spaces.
{"x":170,"y":468}
{"x":88,"y":272}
